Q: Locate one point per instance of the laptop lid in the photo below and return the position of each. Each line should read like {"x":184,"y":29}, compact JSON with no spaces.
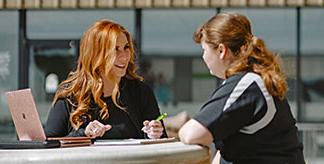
{"x":25,"y":116}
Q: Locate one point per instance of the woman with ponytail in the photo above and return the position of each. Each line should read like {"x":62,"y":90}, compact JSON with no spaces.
{"x":248,"y":117}
{"x":104,"y":97}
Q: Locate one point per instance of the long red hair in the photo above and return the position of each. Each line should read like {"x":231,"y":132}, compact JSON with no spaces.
{"x":96,"y":58}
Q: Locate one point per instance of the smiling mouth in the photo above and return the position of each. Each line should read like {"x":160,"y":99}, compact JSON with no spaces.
{"x":120,"y":66}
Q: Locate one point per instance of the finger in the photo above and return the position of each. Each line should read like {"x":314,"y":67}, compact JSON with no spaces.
{"x":93,"y":124}
{"x":145,"y":129}
{"x":98,"y":127}
{"x":98,"y":124}
{"x":89,"y":129}
{"x":92,"y":130}
{"x":155,"y":123}
{"x":146,"y":122}
{"x":146,"y":126}
{"x":107,"y":127}
{"x":96,"y":131}
{"x":154,"y":136}
{"x":156,"y":130}
{"x":87,"y":133}
{"x":102,"y":133}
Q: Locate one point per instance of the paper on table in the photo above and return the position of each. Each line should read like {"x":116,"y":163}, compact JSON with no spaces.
{"x":133,"y":141}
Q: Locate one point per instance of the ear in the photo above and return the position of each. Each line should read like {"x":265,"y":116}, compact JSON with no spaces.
{"x":222,"y":50}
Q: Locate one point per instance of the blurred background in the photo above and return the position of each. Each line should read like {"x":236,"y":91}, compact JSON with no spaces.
{"x":40,"y":43}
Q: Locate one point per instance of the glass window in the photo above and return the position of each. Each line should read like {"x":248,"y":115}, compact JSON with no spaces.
{"x":312,"y":59}
{"x":312,"y":27}
{"x":8,"y":67}
{"x":70,"y":24}
{"x":168,"y":44}
{"x":169,"y":32}
{"x":277,"y":27}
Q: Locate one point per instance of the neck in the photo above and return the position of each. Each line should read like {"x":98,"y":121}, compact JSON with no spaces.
{"x":108,"y":86}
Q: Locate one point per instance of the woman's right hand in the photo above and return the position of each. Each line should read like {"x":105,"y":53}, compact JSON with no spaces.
{"x":96,"y":129}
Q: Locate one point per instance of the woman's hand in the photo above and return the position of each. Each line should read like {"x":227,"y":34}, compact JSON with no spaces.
{"x":96,"y":129}
{"x":153,"y":129}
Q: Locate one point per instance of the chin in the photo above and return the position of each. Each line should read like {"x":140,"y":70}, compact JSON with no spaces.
{"x":212,"y":73}
{"x":122,"y":74}
{"x":221,"y":76}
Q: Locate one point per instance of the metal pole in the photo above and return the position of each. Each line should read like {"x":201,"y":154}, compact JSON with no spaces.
{"x":298,"y":69}
{"x":23,"y":61}
{"x":138,"y":32}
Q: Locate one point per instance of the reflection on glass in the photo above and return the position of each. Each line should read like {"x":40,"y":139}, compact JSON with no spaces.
{"x":8,"y":68}
{"x":50,"y":63}
{"x":312,"y":59}
{"x":51,"y":83}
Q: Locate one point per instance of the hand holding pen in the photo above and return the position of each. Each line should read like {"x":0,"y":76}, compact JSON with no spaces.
{"x":154,"y":128}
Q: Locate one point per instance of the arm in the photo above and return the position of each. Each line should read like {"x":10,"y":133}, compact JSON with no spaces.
{"x":57,"y":124}
{"x":200,"y":135}
{"x":151,"y":111}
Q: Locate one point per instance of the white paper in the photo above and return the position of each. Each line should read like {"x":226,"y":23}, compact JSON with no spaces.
{"x":111,"y":142}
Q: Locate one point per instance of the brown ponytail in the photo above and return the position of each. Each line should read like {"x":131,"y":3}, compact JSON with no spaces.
{"x":256,"y":58}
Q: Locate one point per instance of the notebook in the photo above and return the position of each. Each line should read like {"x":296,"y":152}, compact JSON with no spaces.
{"x":29,"y":128}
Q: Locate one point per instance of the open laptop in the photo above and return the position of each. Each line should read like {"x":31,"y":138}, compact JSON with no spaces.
{"x":28,"y":125}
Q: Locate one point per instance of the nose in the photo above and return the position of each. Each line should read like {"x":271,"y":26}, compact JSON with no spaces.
{"x":123,"y":55}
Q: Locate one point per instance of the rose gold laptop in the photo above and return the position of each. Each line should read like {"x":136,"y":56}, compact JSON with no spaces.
{"x":25,"y":116}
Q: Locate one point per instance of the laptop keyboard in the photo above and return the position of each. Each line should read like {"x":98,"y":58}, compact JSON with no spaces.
{"x":28,"y":144}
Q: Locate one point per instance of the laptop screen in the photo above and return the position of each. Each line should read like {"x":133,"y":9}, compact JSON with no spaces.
{"x":25,"y":116}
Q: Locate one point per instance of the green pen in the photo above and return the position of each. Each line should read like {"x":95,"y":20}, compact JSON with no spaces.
{"x":162,"y":116}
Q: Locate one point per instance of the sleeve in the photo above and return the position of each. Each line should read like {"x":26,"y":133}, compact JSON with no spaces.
{"x":57,"y":121}
{"x":149,"y":106}
{"x":222,"y":123}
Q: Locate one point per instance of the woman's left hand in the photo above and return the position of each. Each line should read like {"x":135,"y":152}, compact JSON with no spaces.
{"x":153,"y":128}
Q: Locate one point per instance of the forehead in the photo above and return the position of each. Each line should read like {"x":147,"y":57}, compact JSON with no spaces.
{"x":121,"y":38}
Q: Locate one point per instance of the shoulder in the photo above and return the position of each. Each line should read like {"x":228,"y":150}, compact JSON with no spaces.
{"x":244,"y":80}
{"x":244,"y":77}
{"x":59,"y":103}
{"x":64,"y":104}
{"x":244,"y":88}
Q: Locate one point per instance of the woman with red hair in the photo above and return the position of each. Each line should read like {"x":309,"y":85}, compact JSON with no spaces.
{"x":104,"y":97}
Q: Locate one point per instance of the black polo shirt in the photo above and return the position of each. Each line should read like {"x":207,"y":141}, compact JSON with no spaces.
{"x":249,"y":125}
